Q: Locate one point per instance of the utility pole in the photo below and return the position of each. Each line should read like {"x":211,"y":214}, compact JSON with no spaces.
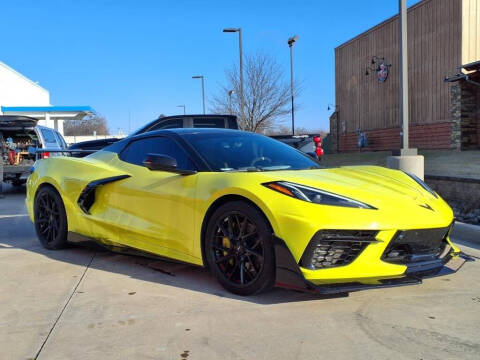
{"x":230,"y":93}
{"x":290,"y":42}
{"x":183,"y":108}
{"x":242,"y":99}
{"x":203,"y":89}
{"x":405,"y":159}
{"x":403,"y":59}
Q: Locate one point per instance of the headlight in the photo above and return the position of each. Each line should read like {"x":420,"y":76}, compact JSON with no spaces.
{"x":313,"y":195}
{"x":422,"y":184}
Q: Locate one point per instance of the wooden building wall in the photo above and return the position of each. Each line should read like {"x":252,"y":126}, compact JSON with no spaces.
{"x":470,"y":31}
{"x":434,"y":50}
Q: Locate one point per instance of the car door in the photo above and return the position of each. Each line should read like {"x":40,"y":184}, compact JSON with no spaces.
{"x":156,"y":208}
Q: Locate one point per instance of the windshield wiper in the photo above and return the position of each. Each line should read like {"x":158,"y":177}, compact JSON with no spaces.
{"x":275,"y":167}
{"x":245,"y":169}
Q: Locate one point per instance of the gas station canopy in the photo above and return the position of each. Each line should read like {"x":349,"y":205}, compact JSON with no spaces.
{"x":50,"y":115}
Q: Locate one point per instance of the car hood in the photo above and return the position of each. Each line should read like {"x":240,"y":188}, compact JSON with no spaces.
{"x":376,"y":186}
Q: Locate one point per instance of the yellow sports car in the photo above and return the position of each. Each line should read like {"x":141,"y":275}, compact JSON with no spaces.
{"x":253,"y":210}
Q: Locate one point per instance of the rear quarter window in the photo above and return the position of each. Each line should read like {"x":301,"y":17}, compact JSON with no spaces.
{"x":168,"y":124}
{"x":60,"y":140}
{"x":209,"y":123}
{"x":48,"y":136}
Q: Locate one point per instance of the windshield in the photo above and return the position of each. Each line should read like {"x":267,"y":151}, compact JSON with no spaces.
{"x":244,"y":151}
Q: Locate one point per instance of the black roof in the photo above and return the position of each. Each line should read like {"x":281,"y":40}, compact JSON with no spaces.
{"x":184,"y":131}
{"x":159,"y":120}
{"x":181,"y":131}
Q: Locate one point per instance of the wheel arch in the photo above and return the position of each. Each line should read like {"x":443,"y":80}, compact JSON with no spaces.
{"x":45,"y":184}
{"x":53,"y":186}
{"x":215,"y":205}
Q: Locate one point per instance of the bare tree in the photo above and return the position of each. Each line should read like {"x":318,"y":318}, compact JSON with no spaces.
{"x":86,"y":126}
{"x":299,"y":130}
{"x":266,"y":94}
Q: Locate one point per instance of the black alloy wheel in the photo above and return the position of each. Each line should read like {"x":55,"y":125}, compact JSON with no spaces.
{"x":239,"y":250}
{"x":50,"y":219}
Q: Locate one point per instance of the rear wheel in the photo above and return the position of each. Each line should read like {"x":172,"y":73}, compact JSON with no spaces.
{"x":239,"y":250}
{"x":50,"y":219}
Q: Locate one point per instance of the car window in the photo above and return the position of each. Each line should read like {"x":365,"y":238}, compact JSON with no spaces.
{"x":243,"y":151}
{"x":209,"y":123}
{"x":137,"y":150}
{"x":232,"y":123}
{"x":48,"y":136}
{"x":60,"y":140}
{"x":168,"y":124}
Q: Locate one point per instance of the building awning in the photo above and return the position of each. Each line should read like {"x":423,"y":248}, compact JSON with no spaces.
{"x":474,"y":66}
{"x":472,"y":77}
{"x":50,"y":112}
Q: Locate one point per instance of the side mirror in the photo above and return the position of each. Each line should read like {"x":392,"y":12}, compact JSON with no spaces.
{"x":158,"y":162}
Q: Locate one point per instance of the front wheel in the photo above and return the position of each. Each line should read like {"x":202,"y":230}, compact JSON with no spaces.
{"x":50,"y":219}
{"x":239,"y":250}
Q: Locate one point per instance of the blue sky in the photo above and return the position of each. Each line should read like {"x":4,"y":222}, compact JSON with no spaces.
{"x":138,"y":57}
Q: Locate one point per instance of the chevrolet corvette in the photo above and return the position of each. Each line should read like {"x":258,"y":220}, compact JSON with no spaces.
{"x":253,"y":210}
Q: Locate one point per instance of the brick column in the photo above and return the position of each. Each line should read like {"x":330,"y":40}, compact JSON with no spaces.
{"x":334,"y":146}
{"x":456,"y":116}
{"x":469,"y":118}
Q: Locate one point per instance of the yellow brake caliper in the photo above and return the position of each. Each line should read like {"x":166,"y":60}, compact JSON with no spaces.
{"x":227,"y":244}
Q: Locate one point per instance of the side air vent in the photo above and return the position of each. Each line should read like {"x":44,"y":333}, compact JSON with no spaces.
{"x":332,"y":248}
{"x":87,"y":197}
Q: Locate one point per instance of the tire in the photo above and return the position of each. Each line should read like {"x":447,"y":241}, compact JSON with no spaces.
{"x":239,"y":250}
{"x":50,"y":219}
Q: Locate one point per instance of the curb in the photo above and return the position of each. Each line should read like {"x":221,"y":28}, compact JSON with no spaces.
{"x":466,"y":232}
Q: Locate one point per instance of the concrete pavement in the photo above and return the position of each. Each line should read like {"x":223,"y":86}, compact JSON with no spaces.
{"x":82,"y":303}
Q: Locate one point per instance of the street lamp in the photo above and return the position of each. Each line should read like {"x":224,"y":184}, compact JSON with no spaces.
{"x":230,"y":93}
{"x":203,"y":89}
{"x":290,"y":42}
{"x":183,"y":108}
{"x":239,"y":30}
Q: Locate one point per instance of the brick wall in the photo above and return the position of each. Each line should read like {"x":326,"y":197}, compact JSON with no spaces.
{"x":428,"y":136}
{"x":465,"y":115}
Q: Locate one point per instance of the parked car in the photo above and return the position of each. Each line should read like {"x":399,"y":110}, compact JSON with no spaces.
{"x":310,"y":144}
{"x":254,"y":211}
{"x":166,"y":122}
{"x":84,"y":148}
{"x":20,"y":138}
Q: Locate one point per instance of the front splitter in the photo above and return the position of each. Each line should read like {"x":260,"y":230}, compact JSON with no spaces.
{"x":290,"y":276}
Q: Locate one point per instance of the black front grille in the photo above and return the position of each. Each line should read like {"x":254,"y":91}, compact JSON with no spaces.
{"x":416,"y":245}
{"x":332,"y":248}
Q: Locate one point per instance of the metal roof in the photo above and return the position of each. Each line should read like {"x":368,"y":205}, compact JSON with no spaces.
{"x":86,"y":109}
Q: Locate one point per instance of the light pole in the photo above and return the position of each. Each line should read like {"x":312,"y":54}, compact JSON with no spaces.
{"x":203,"y":89}
{"x":239,"y":30}
{"x":290,"y":42}
{"x":405,"y":158}
{"x":402,"y":27}
{"x":230,"y":93}
{"x":183,"y":108}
